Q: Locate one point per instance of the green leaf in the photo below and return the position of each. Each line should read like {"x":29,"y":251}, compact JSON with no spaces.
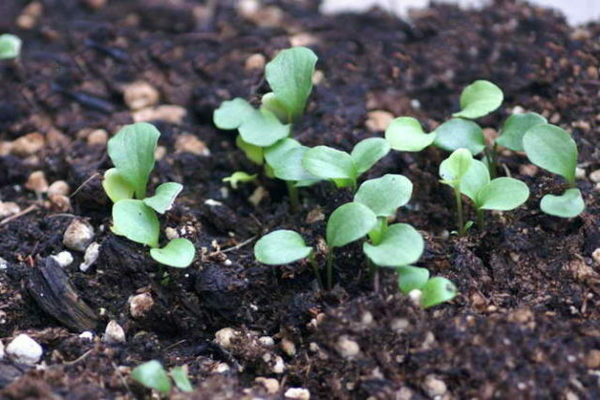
{"x":436,"y":291}
{"x":553,"y":149}
{"x":401,"y":245}
{"x":136,"y":221}
{"x":272,"y":103}
{"x":232,"y":113}
{"x":132,"y":152}
{"x":475,"y":179}
{"x":290,"y":77}
{"x":254,"y":153}
{"x":164,"y":197}
{"x":502,"y":194}
{"x":239,"y":177}
{"x":275,"y":154}
{"x":410,"y":278}
{"x":116,"y":187}
{"x":349,"y":222}
{"x":292,"y":169}
{"x":568,"y":205}
{"x":178,"y":253}
{"x":327,"y":163}
{"x":479,"y":99}
{"x":385,"y":195}
{"x":262,"y":128}
{"x":10,"y":46}
{"x":455,"y":166}
{"x":406,"y":134}
{"x":152,"y":375}
{"x":515,"y":127}
{"x":180,"y":377}
{"x":459,"y":133}
{"x":281,"y":247}
{"x":367,"y":152}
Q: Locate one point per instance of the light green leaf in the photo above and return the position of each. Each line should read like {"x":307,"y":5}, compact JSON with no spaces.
{"x":385,"y":195}
{"x":401,"y":245}
{"x":116,"y":187}
{"x":349,"y":222}
{"x":475,"y":179}
{"x":152,"y":375}
{"x":281,"y":247}
{"x":178,"y":253}
{"x":275,"y":154}
{"x":327,"y":163}
{"x":136,"y":221}
{"x":254,"y":153}
{"x":406,"y":134}
{"x":459,"y":133}
{"x":164,"y":197}
{"x":367,"y":152}
{"x":502,"y":194}
{"x":479,"y":99}
{"x":239,"y":177}
{"x":272,"y":103}
{"x":515,"y":127}
{"x":232,"y":113}
{"x":455,"y":166}
{"x":292,"y":169}
{"x":262,"y":128}
{"x":132,"y":152}
{"x":568,"y":205}
{"x":410,"y":278}
{"x":180,"y":377}
{"x":290,"y":76}
{"x":436,"y":291}
{"x":10,"y":46}
{"x":553,"y":149}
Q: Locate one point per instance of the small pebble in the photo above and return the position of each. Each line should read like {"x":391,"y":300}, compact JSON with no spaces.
{"x":60,"y":203}
{"x":378,"y":120}
{"x":297,"y":394}
{"x":399,"y":325}
{"x":28,"y":144}
{"x":171,"y":233}
{"x":304,"y":39}
{"x":60,"y":188}
{"x":24,"y":350}
{"x":595,"y":176}
{"x":114,"y":333}
{"x":255,"y":62}
{"x":596,"y":255}
{"x":64,"y":258}
{"x":30,"y":15}
{"x":3,"y":264}
{"x":592,"y":359}
{"x":168,"y":113}
{"x":86,"y":335}
{"x":415,"y":296}
{"x":37,"y":182}
{"x":347,"y":348}
{"x":1,"y":350}
{"x":434,"y":386}
{"x":270,"y":384}
{"x":288,"y":347}
{"x":266,"y":341}
{"x":91,"y":255}
{"x":98,"y":137}
{"x":139,"y":95}
{"x":78,"y":235}
{"x":579,"y":173}
{"x":9,"y":208}
{"x":187,"y":143}
{"x":279,"y":366}
{"x":140,"y":304}
{"x":223,"y":337}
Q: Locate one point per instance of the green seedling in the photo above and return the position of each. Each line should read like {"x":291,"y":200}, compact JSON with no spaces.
{"x":342,"y":168}
{"x":239,"y":177}
{"x":10,"y":46}
{"x":153,"y":375}
{"x":554,"y":150}
{"x":433,"y":291}
{"x":134,"y":215}
{"x":471,"y":177}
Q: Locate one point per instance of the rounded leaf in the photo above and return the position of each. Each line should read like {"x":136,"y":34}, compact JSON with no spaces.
{"x":475,"y":179}
{"x":502,"y":194}
{"x":231,"y":114}
{"x":459,"y":133}
{"x":436,"y":291}
{"x":116,"y":187}
{"x":400,"y":245}
{"x":164,"y":197}
{"x":410,"y":278}
{"x":479,"y":99}
{"x":568,"y":205}
{"x":515,"y":127}
{"x":367,"y":152}
{"x":272,"y":103}
{"x":327,"y":163}
{"x":152,"y":375}
{"x":254,"y":153}
{"x":262,"y":128}
{"x":10,"y":46}
{"x":553,"y":149}
{"x":180,"y":377}
{"x":136,"y":221}
{"x":292,"y":169}
{"x":281,"y":247}
{"x":385,"y":195}
{"x":275,"y":154}
{"x":178,"y":253}
{"x":455,"y":166}
{"x":406,"y":134}
{"x":348,"y":223}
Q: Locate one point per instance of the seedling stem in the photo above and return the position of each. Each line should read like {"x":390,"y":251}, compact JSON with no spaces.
{"x":459,"y":212}
{"x":313,"y":263}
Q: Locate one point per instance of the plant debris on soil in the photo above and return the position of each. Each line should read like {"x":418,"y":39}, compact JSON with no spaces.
{"x":526,"y":321}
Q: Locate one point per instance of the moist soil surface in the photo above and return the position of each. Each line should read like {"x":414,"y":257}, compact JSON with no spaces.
{"x":525,"y":324}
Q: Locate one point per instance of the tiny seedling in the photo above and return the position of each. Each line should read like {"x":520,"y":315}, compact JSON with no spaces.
{"x":433,"y":291}
{"x":10,"y":46}
{"x":553,"y":149}
{"x":471,"y":177}
{"x":153,"y":375}
{"x":134,"y":215}
{"x":239,"y":177}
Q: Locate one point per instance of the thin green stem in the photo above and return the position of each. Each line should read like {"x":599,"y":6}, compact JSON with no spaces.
{"x":294,"y":198}
{"x":329,"y":268}
{"x":459,"y":212}
{"x":313,"y":263}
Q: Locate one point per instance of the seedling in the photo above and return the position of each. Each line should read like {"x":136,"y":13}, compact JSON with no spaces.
{"x":553,"y":149}
{"x":10,"y":46}
{"x":432,"y":291}
{"x":239,"y":177}
{"x":471,"y":177}
{"x":153,"y":375}
{"x":134,"y":215}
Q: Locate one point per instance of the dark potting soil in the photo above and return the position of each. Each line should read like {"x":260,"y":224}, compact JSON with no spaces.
{"x":525,"y":324}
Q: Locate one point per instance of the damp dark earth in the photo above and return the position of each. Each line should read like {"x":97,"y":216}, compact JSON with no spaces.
{"x":524,"y":325}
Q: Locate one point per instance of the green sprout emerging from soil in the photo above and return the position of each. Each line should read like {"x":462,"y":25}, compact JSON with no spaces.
{"x":134,"y":215}
{"x":396,"y":246}
{"x":153,"y":375}
{"x":10,"y":46}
